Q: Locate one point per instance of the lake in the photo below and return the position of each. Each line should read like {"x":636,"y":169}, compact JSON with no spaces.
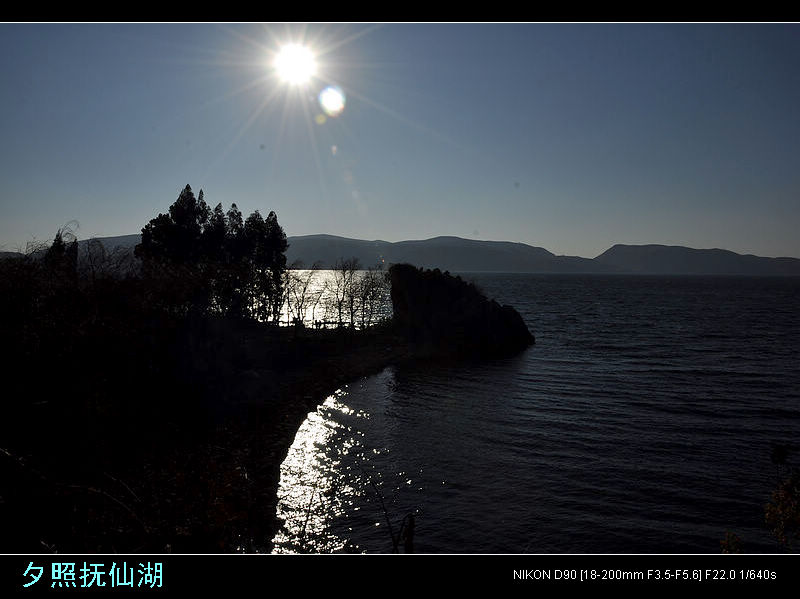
{"x":641,"y":421}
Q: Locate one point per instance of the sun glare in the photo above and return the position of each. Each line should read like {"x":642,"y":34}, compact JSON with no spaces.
{"x":295,"y":64}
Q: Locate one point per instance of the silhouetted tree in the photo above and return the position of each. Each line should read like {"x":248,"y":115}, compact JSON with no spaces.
{"x":175,"y":237}
{"x":356,"y":295}
{"x":96,"y":257}
{"x":62,"y":256}
{"x":301,"y":292}
{"x":371,"y":289}
{"x":56,"y":251}
{"x":215,"y":260}
{"x":342,"y":289}
{"x":274,"y":253}
{"x":232,"y":279}
{"x":213,"y":236}
{"x":261,"y":289}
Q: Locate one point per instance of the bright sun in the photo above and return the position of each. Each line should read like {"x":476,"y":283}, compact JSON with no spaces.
{"x":295,"y":64}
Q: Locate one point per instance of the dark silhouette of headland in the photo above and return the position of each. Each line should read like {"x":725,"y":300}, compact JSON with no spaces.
{"x":444,"y":315}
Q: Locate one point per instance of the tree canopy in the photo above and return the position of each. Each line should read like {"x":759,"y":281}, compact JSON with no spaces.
{"x":215,"y":260}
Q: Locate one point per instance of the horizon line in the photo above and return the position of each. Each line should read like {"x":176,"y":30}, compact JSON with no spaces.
{"x":666,"y":245}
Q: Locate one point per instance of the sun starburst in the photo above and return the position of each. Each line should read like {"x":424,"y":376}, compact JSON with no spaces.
{"x":295,"y":64}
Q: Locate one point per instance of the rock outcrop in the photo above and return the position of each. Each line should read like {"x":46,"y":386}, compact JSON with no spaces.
{"x":442,"y":314}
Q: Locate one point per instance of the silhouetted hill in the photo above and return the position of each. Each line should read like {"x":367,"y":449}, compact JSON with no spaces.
{"x":663,"y":260}
{"x":468,"y":255}
{"x":446,"y":253}
{"x":119,"y":242}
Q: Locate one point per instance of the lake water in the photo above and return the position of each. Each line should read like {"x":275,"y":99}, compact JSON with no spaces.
{"x":642,"y":421}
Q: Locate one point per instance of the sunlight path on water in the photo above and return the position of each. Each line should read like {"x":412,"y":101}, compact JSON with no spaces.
{"x":312,"y":489}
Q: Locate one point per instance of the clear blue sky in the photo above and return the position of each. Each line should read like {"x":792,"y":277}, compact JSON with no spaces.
{"x":568,"y":137}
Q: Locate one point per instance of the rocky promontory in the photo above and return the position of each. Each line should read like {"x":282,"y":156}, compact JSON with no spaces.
{"x":442,"y":314}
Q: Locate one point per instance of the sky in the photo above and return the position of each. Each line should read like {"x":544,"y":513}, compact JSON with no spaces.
{"x":571,"y":137}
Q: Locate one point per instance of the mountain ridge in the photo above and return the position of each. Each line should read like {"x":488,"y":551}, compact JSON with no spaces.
{"x":457,"y":254}
{"x":672,"y":259}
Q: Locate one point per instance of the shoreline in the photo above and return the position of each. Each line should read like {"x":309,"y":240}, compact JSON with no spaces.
{"x":172,"y":437}
{"x":205,"y":481}
{"x":240,"y":461}
{"x":299,"y":396}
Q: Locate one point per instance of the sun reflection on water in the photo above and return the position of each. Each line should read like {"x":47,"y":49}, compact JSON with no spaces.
{"x":313,"y":489}
{"x":342,"y":490}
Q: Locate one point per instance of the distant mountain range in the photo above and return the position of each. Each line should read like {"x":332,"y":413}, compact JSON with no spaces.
{"x":467,"y":255}
{"x":664,"y":259}
{"x":446,"y":253}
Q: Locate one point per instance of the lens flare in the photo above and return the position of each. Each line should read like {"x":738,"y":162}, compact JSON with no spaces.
{"x":332,"y":100}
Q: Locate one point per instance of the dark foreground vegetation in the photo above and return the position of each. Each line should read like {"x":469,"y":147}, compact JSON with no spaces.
{"x":149,"y":403}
